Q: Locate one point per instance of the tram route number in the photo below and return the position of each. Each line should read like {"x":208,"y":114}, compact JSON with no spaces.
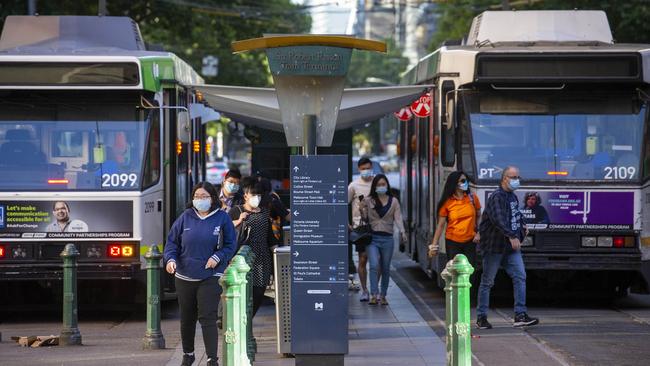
{"x":119,"y":180}
{"x":619,"y":172}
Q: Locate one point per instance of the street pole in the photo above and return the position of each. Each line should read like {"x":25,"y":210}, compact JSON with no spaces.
{"x":31,"y":7}
{"x":309,"y":133}
{"x":153,"y":338}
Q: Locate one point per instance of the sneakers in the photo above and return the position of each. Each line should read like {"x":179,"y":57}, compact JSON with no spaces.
{"x":373,"y":300}
{"x":523,"y":320}
{"x":483,"y":323}
{"x":212,"y":362}
{"x":188,"y":360}
{"x":383,"y":301}
{"x":353,"y":286}
{"x":364,"y":297}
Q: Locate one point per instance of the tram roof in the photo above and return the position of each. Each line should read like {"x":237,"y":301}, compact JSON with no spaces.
{"x":91,"y":39}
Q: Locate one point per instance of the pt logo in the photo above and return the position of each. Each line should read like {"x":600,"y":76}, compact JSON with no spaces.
{"x":318,"y":306}
{"x":2,"y":216}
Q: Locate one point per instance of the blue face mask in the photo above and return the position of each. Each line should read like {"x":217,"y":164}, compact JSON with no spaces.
{"x":232,"y":187}
{"x":366,"y":173}
{"x":463,"y":186}
{"x":202,"y":205}
{"x":513,"y":184}
{"x":381,"y":190}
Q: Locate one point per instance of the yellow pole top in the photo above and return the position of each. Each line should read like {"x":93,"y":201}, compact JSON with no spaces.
{"x":308,"y":40}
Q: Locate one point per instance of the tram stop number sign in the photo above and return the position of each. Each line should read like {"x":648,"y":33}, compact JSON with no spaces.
{"x":422,"y":107}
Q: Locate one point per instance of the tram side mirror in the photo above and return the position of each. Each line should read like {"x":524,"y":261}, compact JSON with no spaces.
{"x":183,"y":127}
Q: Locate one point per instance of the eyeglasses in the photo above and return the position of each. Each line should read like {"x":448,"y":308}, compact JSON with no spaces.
{"x":514,"y":177}
{"x":201,"y":197}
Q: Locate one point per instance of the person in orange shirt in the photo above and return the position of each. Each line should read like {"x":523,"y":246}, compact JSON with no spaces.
{"x":460,"y":210}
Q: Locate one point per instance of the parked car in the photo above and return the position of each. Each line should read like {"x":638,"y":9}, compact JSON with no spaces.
{"x":215,"y":171}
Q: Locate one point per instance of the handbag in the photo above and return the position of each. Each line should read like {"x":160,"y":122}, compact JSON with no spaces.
{"x":244,"y":232}
{"x":364,"y":234}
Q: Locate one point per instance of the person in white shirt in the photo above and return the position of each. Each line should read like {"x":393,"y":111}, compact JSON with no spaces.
{"x":357,"y":190}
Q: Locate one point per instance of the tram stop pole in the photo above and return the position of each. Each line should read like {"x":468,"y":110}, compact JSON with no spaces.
{"x":459,"y":339}
{"x":70,"y":335}
{"x":153,"y":338}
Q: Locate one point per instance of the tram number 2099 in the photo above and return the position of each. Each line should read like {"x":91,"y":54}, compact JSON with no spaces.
{"x":119,"y":180}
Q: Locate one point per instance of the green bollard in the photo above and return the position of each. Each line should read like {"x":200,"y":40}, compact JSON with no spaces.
{"x":70,"y":334}
{"x":459,"y":338}
{"x":446,"y":276}
{"x":153,"y":338}
{"x":231,"y":284}
{"x":242,"y":267}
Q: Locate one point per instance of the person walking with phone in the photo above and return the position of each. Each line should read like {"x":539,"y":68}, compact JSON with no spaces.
{"x":502,"y":230}
{"x":460,"y":210}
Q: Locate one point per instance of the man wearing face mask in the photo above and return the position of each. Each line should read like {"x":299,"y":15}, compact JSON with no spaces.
{"x":357,"y":190}
{"x":253,"y":221}
{"x":501,"y":232}
{"x":230,"y":195}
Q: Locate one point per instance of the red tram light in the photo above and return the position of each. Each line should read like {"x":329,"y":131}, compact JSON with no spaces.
{"x":2,"y":251}
{"x":619,"y":242}
{"x":114,"y":250}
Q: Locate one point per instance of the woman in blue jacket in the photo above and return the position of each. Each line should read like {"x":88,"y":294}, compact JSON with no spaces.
{"x":199,"y":246}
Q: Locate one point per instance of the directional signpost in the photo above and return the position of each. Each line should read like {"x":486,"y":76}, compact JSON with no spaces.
{"x":319,"y":284}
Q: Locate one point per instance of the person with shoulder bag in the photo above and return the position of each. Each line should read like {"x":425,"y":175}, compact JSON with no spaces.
{"x":259,"y":236}
{"x":382,"y":211}
{"x":199,"y":246}
{"x":460,"y":211}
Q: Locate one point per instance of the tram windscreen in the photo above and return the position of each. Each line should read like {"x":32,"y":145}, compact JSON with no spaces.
{"x":557,"y":138}
{"x":67,"y":147}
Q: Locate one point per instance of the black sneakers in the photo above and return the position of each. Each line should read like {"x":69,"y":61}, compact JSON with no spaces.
{"x":212,"y":362}
{"x":188,"y":360}
{"x":523,"y":320}
{"x":483,"y":323}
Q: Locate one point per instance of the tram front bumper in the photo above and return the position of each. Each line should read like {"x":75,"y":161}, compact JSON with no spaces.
{"x":54,"y":271}
{"x":583,"y":261}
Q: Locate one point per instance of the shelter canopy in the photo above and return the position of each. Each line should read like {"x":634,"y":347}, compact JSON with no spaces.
{"x":259,"y":106}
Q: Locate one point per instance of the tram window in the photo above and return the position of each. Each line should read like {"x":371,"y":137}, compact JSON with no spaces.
{"x":152,"y":163}
{"x":67,"y":144}
{"x":467,"y":161}
{"x":448,"y":146}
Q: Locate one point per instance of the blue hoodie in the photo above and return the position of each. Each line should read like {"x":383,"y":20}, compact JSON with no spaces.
{"x":193,"y":240}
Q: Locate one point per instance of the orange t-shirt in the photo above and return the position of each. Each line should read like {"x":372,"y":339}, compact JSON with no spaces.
{"x":461,"y":218}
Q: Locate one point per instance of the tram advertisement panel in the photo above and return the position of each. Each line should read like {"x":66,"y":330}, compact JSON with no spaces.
{"x":66,"y":219}
{"x":576,"y":210}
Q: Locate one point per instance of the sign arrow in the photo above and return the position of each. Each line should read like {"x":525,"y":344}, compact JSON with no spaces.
{"x":296,"y":213}
{"x":296,"y":254}
{"x":295,"y":169}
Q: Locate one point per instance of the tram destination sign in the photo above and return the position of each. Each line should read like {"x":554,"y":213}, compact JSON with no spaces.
{"x":319,"y":284}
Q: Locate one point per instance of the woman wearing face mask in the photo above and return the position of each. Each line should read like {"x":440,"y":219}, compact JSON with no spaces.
{"x":199,"y":246}
{"x":382,"y":211}
{"x":259,"y":238}
{"x":460,"y":210}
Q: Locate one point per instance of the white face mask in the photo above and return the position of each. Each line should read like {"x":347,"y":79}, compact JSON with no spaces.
{"x":254,"y":201}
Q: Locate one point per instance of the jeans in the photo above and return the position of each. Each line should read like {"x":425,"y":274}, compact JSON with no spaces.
{"x":513,"y":263}
{"x":199,"y":299}
{"x":380,"y":249}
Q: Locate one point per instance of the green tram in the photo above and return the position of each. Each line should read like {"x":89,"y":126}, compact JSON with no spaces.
{"x":101,"y":141}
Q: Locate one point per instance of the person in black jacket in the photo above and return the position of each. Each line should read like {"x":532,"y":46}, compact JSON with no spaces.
{"x":502,"y":231}
{"x":199,"y":246}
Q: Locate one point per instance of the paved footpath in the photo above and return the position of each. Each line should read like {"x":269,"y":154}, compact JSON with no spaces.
{"x":379,"y":335}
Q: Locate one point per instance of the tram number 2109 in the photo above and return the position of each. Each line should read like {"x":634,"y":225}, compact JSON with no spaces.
{"x":119,"y":180}
{"x":619,"y":172}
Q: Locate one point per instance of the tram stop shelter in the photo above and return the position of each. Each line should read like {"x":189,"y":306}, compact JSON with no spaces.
{"x":309,"y":103}
{"x":309,"y":74}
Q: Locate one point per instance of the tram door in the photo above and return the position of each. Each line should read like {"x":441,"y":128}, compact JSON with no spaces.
{"x":422,"y":229}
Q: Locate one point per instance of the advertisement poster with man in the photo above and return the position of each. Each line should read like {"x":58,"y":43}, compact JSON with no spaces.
{"x":66,"y":219}
{"x":576,"y":210}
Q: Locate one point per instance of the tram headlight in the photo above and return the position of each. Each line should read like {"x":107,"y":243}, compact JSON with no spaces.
{"x":2,"y":251}
{"x":19,"y":253}
{"x":605,"y":241}
{"x":93,"y":252}
{"x":589,"y":241}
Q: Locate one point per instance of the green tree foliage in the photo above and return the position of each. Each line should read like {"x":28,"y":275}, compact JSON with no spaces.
{"x":383,"y":67}
{"x":627,"y":18}
{"x":194,"y":29}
